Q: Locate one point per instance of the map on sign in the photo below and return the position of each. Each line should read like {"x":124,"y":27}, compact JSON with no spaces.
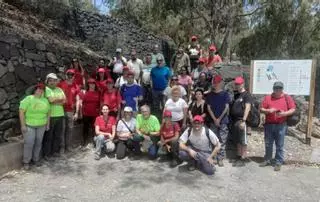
{"x":295,"y":75}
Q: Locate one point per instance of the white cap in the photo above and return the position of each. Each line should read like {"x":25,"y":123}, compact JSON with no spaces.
{"x":160,"y":57}
{"x":127,"y":109}
{"x":118,"y":50}
{"x":51,"y":76}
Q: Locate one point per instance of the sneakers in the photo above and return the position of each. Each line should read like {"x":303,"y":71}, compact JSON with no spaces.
{"x":97,"y":157}
{"x":220,"y":163}
{"x":26,"y":166}
{"x":175,"y":163}
{"x":191,"y":166}
{"x":277,"y":167}
{"x":264,"y":164}
{"x":38,"y":164}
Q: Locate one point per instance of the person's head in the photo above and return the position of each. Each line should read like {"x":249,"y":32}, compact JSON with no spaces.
{"x":234,"y":57}
{"x":160,"y":60}
{"x":278,"y":88}
{"x":110,"y":84}
{"x":127,"y":112}
{"x":180,"y":50}
{"x":167,"y":115}
{"x":174,"y":80}
{"x":101,"y":73}
{"x":70,"y":75}
{"x":202,"y":62}
{"x":197,"y":122}
{"x":212,"y":50}
{"x":130,"y":77}
{"x":118,"y":52}
{"x":217,"y":82}
{"x":199,"y":94}
{"x":175,"y":93}
{"x":239,"y":83}
{"x":184,"y":71}
{"x":39,"y":89}
{"x":155,"y":49}
{"x":51,"y":80}
{"x":91,"y":84}
{"x":145,"y":111}
{"x":75,"y":62}
{"x":133,"y":55}
{"x":148,"y":58}
{"x":203,"y":77}
{"x":105,"y":110}
{"x":194,"y":39}
{"x":102,"y":62}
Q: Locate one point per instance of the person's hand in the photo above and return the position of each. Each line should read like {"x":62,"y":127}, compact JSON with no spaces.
{"x":210,"y":160}
{"x":47,"y":127}
{"x":242,"y":125}
{"x":272,"y":110}
{"x":168,"y":148}
{"x":217,"y":122}
{"x":75,"y":117}
{"x":24,"y":129}
{"x":282,"y":114}
{"x":146,"y":137}
{"x":192,"y":153}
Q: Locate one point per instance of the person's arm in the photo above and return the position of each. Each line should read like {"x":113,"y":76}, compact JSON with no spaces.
{"x":225,"y":111}
{"x":98,"y":132}
{"x":22,"y":121}
{"x":175,"y":137}
{"x":185,"y":114}
{"x":113,"y":134}
{"x":188,"y":62}
{"x":48,"y":120}
{"x":211,"y":113}
{"x":77,"y":112}
{"x":215,"y":150}
{"x":246,"y":111}
{"x":82,"y":69}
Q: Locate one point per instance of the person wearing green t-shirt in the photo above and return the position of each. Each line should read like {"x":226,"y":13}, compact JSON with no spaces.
{"x":147,"y":128}
{"x":34,"y":120}
{"x":56,"y":97}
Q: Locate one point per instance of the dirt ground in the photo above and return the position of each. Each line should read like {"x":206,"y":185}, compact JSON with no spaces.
{"x":78,"y":177}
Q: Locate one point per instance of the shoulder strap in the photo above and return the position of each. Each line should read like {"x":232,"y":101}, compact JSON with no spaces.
{"x":189,"y":132}
{"x":286,"y":98}
{"x":126,"y":125}
{"x":208,"y":136}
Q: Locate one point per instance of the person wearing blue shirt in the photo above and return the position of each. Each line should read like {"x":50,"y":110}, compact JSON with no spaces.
{"x":131,"y":93}
{"x":160,"y":76}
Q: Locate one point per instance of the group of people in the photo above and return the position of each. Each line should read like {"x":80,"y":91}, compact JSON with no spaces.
{"x":192,"y":116}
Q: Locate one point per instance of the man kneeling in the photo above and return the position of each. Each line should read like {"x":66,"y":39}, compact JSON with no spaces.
{"x":198,"y":146}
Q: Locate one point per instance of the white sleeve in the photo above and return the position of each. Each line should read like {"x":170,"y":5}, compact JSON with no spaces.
{"x":134,"y":123}
{"x":183,"y":91}
{"x":120,"y":126}
{"x":183,"y":103}
{"x":213,"y":138}
{"x":184,"y":137}
{"x":166,"y":91}
{"x":124,"y":59}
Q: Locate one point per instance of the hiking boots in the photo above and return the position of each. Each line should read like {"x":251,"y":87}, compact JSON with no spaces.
{"x":264,"y":164}
{"x":220,"y":163}
{"x":175,"y":163}
{"x":191,"y":166}
{"x":26,"y":166}
{"x":277,"y":167}
{"x":97,"y":157}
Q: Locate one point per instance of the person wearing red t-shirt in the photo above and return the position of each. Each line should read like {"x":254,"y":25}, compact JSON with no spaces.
{"x":112,"y":98}
{"x":71,"y":91}
{"x":277,"y":107}
{"x":105,"y":129}
{"x":102,"y":64}
{"x":89,"y":105}
{"x":169,"y":135}
{"x":79,"y":72}
{"x":214,"y":57}
{"x":101,"y":80}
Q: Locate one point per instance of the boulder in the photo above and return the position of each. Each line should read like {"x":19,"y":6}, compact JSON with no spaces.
{"x":26,"y":74}
{"x":51,"y":57}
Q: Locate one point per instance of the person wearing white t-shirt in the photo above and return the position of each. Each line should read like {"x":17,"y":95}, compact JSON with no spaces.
{"x":135,"y":65}
{"x":146,"y":80}
{"x":168,"y":91}
{"x":198,"y":146}
{"x":118,"y":63}
{"x":178,"y":107}
{"x":126,"y":128}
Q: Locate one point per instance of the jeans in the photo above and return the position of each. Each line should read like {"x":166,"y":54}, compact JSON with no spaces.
{"x":52,"y":138}
{"x":274,"y":133}
{"x":222,"y":133}
{"x":102,"y":143}
{"x":149,"y":146}
{"x":33,"y":143}
{"x":157,"y":101}
{"x":68,"y":131}
{"x":200,"y":160}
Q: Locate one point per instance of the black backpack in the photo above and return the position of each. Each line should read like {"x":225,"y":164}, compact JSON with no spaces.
{"x":207,"y":134}
{"x":253,"y":119}
{"x":294,"y":119}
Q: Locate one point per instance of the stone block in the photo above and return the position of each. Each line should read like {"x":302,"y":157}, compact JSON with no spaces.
{"x":9,"y":123}
{"x":4,"y":50}
{"x":52,"y":58}
{"x":11,"y":156}
{"x":3,"y":114}
{"x":39,"y":64}
{"x":35,"y":56}
{"x":10,"y":66}
{"x":29,"y":44}
{"x":41,"y":46}
{"x":3,"y":96}
{"x":7,"y":80}
{"x":3,"y":70}
{"x":5,"y":106}
{"x":26,"y":74}
{"x":14,"y":51}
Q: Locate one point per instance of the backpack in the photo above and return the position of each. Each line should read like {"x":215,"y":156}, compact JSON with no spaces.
{"x":253,"y":119}
{"x":294,"y":119}
{"x":207,"y":134}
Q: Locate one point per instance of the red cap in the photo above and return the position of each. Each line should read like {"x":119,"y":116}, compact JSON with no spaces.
{"x":239,"y":80}
{"x":198,"y":118}
{"x":41,"y":86}
{"x":71,"y":71}
{"x":109,"y":80}
{"x":125,"y":68}
{"x":193,"y":38}
{"x":216,"y":79}
{"x":91,"y":80}
{"x":130,"y":73}
{"x":167,"y":113}
{"x":202,"y":60}
{"x":101,"y":70}
{"x":212,"y":48}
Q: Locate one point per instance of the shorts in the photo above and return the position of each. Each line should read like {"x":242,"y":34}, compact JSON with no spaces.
{"x":239,"y":134}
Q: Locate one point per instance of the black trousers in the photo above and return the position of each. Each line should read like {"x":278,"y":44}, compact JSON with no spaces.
{"x":122,"y":147}
{"x":88,"y":128}
{"x":52,"y":138}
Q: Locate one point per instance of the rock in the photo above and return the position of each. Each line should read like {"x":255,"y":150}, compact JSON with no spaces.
{"x":10,"y":66}
{"x":14,"y":52}
{"x":21,"y":87}
{"x":6,"y":124}
{"x":14,"y":107}
{"x":5,"y":106}
{"x":41,"y":46}
{"x":51,"y":57}
{"x":12,"y":39}
{"x":3,"y":114}
{"x":28,"y":63}
{"x":4,"y":50}
{"x":3,"y":70}
{"x":39,"y":64}
{"x":12,"y":95}
{"x":35,"y":56}
{"x":29,"y":44}
{"x":7,"y":80}
{"x":26,"y":74}
{"x":3,"y":62}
